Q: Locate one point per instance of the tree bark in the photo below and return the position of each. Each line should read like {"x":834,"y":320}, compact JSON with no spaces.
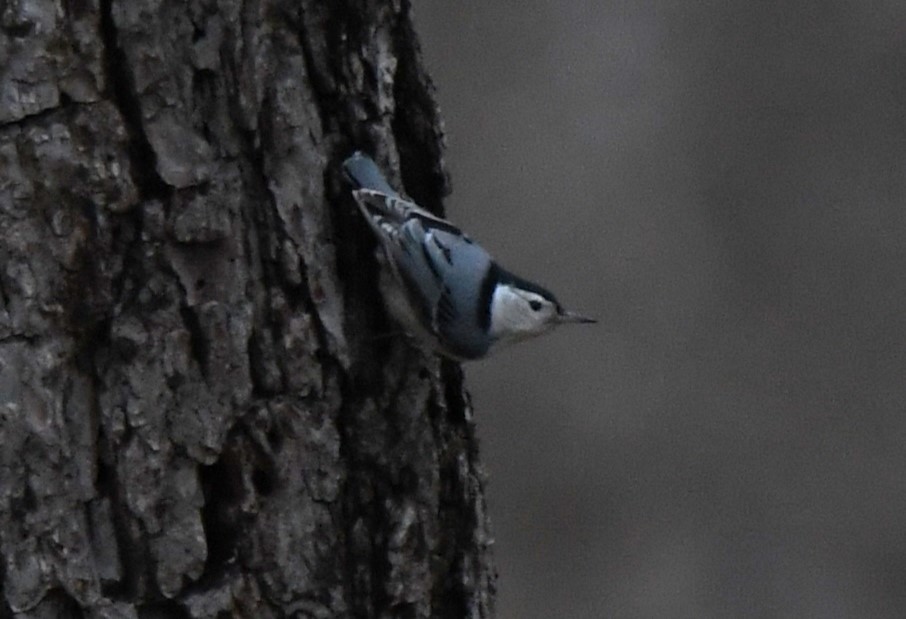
{"x":201,"y":413}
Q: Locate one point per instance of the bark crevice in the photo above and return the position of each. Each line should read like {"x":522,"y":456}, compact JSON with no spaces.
{"x":121,"y":91}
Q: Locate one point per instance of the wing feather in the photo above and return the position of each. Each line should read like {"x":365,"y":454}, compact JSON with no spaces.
{"x":441,"y":269}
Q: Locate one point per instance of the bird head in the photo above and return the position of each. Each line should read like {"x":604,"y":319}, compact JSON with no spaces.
{"x":520,"y":309}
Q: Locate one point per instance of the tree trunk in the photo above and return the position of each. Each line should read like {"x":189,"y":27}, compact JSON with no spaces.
{"x":201,"y":411}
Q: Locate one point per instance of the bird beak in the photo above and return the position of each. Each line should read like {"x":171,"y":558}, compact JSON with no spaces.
{"x":567,"y":316}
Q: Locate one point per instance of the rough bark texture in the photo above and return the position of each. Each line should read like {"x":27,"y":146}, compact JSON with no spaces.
{"x":200,"y":412}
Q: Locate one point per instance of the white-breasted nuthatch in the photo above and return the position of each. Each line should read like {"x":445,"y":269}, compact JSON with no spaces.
{"x":441,"y":286}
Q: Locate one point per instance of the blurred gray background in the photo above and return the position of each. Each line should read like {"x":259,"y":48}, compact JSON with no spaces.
{"x":723,"y":184}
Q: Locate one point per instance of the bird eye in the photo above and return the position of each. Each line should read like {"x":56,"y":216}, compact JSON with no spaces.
{"x":535,"y":305}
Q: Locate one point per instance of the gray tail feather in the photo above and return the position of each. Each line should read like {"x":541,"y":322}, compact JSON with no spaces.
{"x":364,"y":173}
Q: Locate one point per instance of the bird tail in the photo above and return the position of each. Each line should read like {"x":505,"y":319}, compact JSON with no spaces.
{"x":364,"y":173}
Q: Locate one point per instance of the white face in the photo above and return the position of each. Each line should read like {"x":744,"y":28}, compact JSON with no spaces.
{"x":518,"y":314}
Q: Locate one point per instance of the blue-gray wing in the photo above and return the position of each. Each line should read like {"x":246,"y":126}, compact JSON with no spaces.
{"x":443,"y":271}
{"x":447,"y":271}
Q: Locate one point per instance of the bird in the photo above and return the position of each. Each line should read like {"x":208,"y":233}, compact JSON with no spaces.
{"x":442,"y":287}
